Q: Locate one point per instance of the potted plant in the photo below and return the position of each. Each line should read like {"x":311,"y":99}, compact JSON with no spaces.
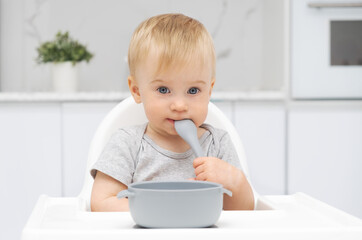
{"x":64,"y":53}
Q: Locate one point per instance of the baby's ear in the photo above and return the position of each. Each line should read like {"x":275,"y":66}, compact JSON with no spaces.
{"x":212,"y":85}
{"x":133,"y":87}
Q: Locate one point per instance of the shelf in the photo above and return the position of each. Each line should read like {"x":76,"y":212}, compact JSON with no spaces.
{"x":118,"y":96}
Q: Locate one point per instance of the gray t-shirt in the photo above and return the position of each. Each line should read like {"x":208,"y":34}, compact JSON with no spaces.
{"x":131,"y":156}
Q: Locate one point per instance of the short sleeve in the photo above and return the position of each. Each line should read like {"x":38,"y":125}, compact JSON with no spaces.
{"x":227,"y":151}
{"x":118,"y":158}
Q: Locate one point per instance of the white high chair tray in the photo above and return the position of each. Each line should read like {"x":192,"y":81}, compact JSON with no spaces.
{"x":295,"y":216}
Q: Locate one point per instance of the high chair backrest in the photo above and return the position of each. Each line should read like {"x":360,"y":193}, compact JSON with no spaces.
{"x":128,"y":113}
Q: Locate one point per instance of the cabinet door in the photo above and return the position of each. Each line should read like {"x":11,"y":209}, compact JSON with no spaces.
{"x":262,"y":131}
{"x":80,"y":121}
{"x":30,"y":160}
{"x":325,"y":155}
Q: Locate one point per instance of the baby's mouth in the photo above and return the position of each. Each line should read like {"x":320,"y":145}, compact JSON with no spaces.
{"x":171,"y":120}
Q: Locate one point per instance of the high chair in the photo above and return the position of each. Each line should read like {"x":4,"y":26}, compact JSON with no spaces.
{"x":296,"y":216}
{"x":128,"y":113}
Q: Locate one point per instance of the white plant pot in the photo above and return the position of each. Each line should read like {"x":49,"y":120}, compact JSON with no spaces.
{"x":65,"y":77}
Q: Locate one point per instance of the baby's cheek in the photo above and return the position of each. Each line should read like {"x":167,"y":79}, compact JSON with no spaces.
{"x":200,"y":116}
{"x":151,"y":112}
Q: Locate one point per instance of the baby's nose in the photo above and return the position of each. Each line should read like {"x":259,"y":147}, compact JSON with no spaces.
{"x":179,"y":106}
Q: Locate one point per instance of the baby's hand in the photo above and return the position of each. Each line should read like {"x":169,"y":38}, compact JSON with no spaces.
{"x":216,"y":170}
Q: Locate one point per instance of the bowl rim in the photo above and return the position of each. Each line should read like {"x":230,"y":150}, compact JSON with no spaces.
{"x":133,"y":186}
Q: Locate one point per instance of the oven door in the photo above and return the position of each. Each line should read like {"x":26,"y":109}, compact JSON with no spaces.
{"x":326,"y":49}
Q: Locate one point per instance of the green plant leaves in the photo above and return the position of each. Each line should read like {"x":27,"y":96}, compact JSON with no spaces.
{"x":63,"y":48}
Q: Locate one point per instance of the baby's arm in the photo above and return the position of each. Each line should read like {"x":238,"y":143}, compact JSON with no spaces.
{"x":104,"y":194}
{"x":216,"y":170}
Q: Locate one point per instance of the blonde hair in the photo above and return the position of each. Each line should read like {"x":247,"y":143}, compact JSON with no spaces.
{"x":178,"y":39}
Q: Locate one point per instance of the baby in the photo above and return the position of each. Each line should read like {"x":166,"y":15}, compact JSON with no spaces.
{"x":172,"y":72}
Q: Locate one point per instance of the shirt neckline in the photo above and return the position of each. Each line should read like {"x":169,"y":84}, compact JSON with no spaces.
{"x":176,"y":155}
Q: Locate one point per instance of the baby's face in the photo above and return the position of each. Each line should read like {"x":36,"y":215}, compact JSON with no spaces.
{"x":174,"y":94}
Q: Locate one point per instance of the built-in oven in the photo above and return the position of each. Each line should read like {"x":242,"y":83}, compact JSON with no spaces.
{"x":326,"y":49}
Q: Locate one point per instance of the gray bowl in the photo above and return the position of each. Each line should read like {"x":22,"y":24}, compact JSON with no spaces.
{"x":177,"y":204}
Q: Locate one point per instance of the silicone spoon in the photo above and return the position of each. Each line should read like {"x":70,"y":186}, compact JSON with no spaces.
{"x":187,"y":130}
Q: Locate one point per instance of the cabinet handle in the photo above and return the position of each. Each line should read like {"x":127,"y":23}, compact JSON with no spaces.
{"x":334,"y":5}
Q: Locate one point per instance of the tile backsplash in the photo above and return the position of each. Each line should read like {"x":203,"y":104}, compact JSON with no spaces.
{"x":248,"y":35}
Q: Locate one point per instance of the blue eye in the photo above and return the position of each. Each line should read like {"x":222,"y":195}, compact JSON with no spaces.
{"x":163,"y":90}
{"x":193,"y":90}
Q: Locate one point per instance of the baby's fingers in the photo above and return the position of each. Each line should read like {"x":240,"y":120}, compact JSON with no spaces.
{"x":198,"y":161}
{"x":201,"y":177}
{"x":199,"y":169}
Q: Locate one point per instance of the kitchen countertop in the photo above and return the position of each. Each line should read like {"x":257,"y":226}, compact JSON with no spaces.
{"x":118,"y":96}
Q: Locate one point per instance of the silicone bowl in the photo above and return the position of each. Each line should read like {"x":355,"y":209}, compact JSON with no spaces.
{"x":176,"y":204}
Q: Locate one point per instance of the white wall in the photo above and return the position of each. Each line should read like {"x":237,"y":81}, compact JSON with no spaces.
{"x":247,"y":34}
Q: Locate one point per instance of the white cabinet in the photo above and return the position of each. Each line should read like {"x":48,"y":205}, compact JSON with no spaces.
{"x":325,"y":154}
{"x":79,"y":123}
{"x":30,"y":160}
{"x":262,"y":131}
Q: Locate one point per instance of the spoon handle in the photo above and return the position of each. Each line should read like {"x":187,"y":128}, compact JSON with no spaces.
{"x":196,"y":147}
{"x":188,"y":132}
